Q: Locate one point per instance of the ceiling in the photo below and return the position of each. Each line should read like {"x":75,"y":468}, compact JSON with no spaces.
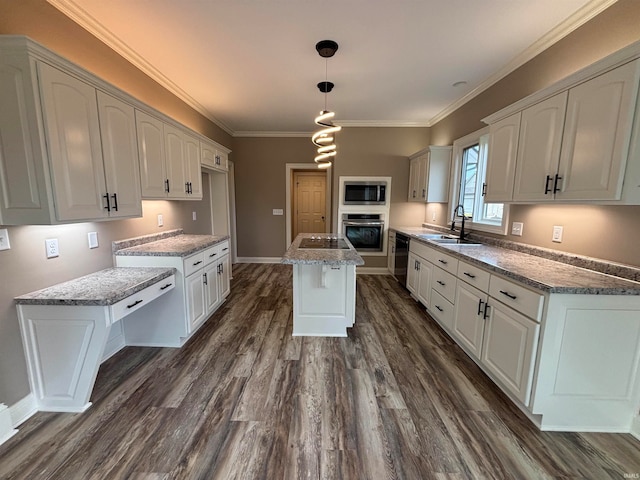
{"x":251,"y":65}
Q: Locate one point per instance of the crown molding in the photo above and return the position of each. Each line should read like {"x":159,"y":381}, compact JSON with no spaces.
{"x":579,"y":18}
{"x":272,"y":134}
{"x":379,"y":123}
{"x":80,"y":16}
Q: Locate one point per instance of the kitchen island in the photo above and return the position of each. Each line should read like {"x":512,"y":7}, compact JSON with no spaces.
{"x":324,"y":284}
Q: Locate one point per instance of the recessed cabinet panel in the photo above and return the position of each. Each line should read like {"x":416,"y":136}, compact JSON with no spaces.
{"x":501,"y":165}
{"x":175,"y":151}
{"x":151,"y":151}
{"x":597,"y":133}
{"x":192,"y":167}
{"x":73,"y":136}
{"x":468,"y":326}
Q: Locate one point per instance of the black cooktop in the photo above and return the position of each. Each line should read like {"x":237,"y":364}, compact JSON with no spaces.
{"x":324,"y":242}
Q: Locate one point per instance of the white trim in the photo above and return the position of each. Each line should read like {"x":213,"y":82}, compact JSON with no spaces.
{"x":259,"y":259}
{"x":579,"y":18}
{"x":635,"y":427}
{"x":381,"y":123}
{"x":6,"y":426}
{"x":290,"y":167}
{"x":362,"y":270}
{"x":23,"y":409}
{"x":272,"y":134}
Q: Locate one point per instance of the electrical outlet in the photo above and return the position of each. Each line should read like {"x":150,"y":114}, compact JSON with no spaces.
{"x":93,"y":239}
{"x":557,"y":234}
{"x":4,"y":239}
{"x":160,"y":220}
{"x":194,"y":216}
{"x":51,"y":245}
{"x":516,"y":228}
{"x":433,"y":215}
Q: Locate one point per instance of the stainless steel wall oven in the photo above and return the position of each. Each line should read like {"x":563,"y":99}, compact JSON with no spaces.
{"x":364,"y":230}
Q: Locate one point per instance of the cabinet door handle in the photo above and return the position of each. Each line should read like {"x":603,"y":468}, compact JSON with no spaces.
{"x":486,"y":311}
{"x":444,"y":262}
{"x":197,"y":263}
{"x":166,"y":185}
{"x":424,"y":193}
{"x":134,"y":303}
{"x":106,"y":197}
{"x":417,"y":265}
{"x":204,"y":280}
{"x":510,"y":295}
{"x":186,"y":187}
{"x":115,"y":201}
{"x":547,"y":189}
{"x":484,"y":189}
{"x":556,"y":189}
{"x":438,"y":307}
{"x":470,"y":275}
{"x":440,"y":283}
{"x":480,"y":302}
{"x":166,"y":286}
{"x":414,"y":194}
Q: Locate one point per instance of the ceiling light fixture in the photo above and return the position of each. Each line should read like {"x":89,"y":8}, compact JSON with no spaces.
{"x":323,"y":138}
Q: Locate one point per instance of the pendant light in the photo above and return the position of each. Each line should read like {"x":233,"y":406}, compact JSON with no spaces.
{"x":323,"y":138}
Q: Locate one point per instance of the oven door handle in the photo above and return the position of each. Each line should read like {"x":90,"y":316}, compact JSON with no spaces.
{"x":364,"y":224}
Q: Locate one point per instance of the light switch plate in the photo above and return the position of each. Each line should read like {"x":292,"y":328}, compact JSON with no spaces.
{"x":93,"y":239}
{"x":4,"y":239}
{"x":51,"y":245}
{"x":195,"y":216}
{"x":160,"y":220}
{"x":557,"y":234}
{"x":516,"y":228}
{"x":278,"y":211}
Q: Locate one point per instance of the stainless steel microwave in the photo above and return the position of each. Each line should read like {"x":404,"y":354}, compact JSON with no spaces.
{"x":364,"y":193}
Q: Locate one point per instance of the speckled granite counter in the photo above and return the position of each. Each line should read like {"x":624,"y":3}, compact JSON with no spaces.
{"x":172,"y":243}
{"x":311,"y":256}
{"x":105,"y":287}
{"x":537,"y":272}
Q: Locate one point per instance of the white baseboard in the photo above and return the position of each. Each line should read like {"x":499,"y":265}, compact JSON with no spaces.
{"x":635,"y":427}
{"x":372,"y":270}
{"x":259,"y":259}
{"x":22,"y":410}
{"x":6,"y":426}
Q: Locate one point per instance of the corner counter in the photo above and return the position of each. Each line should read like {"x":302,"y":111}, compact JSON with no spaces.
{"x":324,"y":287}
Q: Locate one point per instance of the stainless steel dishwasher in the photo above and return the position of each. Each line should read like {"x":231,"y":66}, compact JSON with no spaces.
{"x":402,"y":258}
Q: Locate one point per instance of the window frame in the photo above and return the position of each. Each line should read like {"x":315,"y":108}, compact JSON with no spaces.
{"x":459,"y":146}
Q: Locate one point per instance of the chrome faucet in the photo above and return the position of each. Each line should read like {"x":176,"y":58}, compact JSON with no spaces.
{"x":456,"y":211}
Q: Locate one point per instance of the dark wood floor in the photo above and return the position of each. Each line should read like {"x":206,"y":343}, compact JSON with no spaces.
{"x":245,"y":400}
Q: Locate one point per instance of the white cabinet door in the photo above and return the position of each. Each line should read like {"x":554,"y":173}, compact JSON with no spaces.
{"x":597,"y":134}
{"x":192,"y":167}
{"x":501,"y":164}
{"x":424,"y":282}
{"x":194,"y":290}
{"x":437,"y":174}
{"x":224,"y":276}
{"x":539,"y":149}
{"x":176,"y":170}
{"x":414,"y":172}
{"x":391,"y":256}
{"x":75,"y":152}
{"x":510,"y":343}
{"x":120,"y":153}
{"x":468,"y":325}
{"x":151,"y":152}
{"x":211,"y":287}
{"x":412,"y":273}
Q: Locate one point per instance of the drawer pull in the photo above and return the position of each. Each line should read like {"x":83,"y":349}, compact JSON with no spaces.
{"x":197,"y":263}
{"x":166,"y":286}
{"x":512,"y":297}
{"x":212,"y":255}
{"x":225,"y":249}
{"x":444,"y":262}
{"x":134,"y":304}
{"x":440,"y":282}
{"x":470,"y":275}
{"x":438,"y":307}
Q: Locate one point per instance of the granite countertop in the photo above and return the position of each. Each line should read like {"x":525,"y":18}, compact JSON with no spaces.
{"x":531,"y":270}
{"x":311,"y":256}
{"x":163,"y":245}
{"x":105,"y":287}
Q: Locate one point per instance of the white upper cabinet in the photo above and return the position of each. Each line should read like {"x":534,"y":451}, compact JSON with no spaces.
{"x":214,"y":156}
{"x":120,"y":155}
{"x":153,"y":171}
{"x":501,"y":166}
{"x":539,"y":143}
{"x":174,"y":148}
{"x":573,"y":146}
{"x":596,"y":136}
{"x":429,"y":175}
{"x":193,"y":176}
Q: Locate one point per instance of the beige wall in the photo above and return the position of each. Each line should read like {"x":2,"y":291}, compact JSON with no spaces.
{"x":588,"y":230}
{"x":25,"y":268}
{"x":260,"y":179}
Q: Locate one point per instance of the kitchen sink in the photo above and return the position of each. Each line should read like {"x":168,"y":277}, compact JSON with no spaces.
{"x":446,"y":239}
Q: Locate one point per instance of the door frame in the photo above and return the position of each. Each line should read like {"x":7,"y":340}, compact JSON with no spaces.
{"x":290,"y":167}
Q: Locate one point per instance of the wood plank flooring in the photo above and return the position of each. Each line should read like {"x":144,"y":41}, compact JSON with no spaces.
{"x":243,"y":399}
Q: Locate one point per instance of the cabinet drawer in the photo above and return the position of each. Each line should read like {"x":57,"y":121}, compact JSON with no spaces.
{"x":444,"y":283}
{"x":211,"y":254}
{"x":444,"y":261}
{"x":519,"y":298}
{"x":419,"y":248}
{"x":473,"y":275}
{"x":193,"y":263}
{"x":138,"y":300}
{"x":223,"y":248}
{"x":441,"y":309}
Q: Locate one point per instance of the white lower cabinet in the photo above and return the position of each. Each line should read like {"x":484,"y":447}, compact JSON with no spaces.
{"x":469,"y":319}
{"x":194,"y":289}
{"x":419,"y":278}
